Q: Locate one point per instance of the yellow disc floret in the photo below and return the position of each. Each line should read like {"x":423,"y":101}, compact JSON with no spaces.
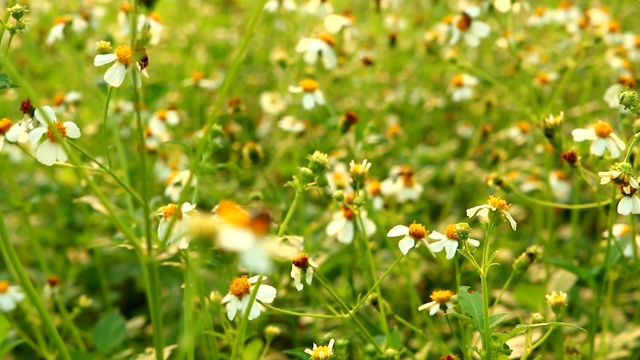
{"x":169,"y":210}
{"x":441,"y":296}
{"x":4,"y":287}
{"x":322,"y":353}
{"x":61,"y":129}
{"x":464,"y":22}
{"x":5,"y":125}
{"x":240,"y":286}
{"x":450,"y":232}
{"x":417,"y":231}
{"x":603,"y":129}
{"x":301,"y":261}
{"x":327,"y":38}
{"x":124,"y":54}
{"x":309,"y":85}
{"x":498,"y":203}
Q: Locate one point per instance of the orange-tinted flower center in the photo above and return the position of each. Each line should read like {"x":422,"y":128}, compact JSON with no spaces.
{"x":61,"y":129}
{"x":327,"y":38}
{"x":58,"y":99}
{"x":540,"y":11}
{"x":4,"y":287}
{"x":169,"y":210}
{"x":498,"y":203}
{"x":450,"y":232}
{"x":197,"y":75}
{"x":232,"y":213}
{"x":240,"y":286}
{"x":260,"y":223}
{"x":155,"y":16}
{"x":124,"y":54}
{"x":54,"y":281}
{"x":457,"y":81}
{"x":603,"y":129}
{"x":125,"y":7}
{"x":301,"y":261}
{"x":162,"y":114}
{"x":441,"y":296}
{"x":627,"y":81}
{"x":374,"y":188}
{"x":347,"y":212}
{"x":309,"y":85}
{"x":624,"y":230}
{"x":5,"y":125}
{"x":614,"y":26}
{"x":542,"y":78}
{"x":524,"y":126}
{"x":417,"y":231}
{"x":464,"y":22}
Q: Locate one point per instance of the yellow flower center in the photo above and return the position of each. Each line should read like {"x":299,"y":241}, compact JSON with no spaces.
{"x":450,"y":232}
{"x":5,"y":125}
{"x":4,"y":287}
{"x":61,"y":19}
{"x":406,"y":174}
{"x":155,"y":16}
{"x":542,"y":78}
{"x":61,"y":129}
{"x":232,"y":213}
{"x":322,"y":353}
{"x":441,"y":296}
{"x":457,"y":81}
{"x":565,"y":5}
{"x":417,"y":231}
{"x":260,"y":223}
{"x":614,"y":26}
{"x":327,"y":38}
{"x":540,"y":11}
{"x":240,"y":286}
{"x":624,"y":230}
{"x":498,"y":203}
{"x":125,"y":7}
{"x":627,"y":81}
{"x":124,"y":54}
{"x":162,"y":115}
{"x":309,"y":85}
{"x":557,"y":299}
{"x":374,"y":188}
{"x":603,"y":129}
{"x":347,"y":212}
{"x":197,"y":75}
{"x":169,"y":210}
{"x":301,"y":261}
{"x":339,"y":179}
{"x":359,"y":169}
{"x":393,"y":130}
{"x":58,"y":99}
{"x":464,"y":22}
{"x":524,"y":126}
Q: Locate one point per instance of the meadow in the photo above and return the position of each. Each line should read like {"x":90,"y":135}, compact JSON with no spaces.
{"x":319,"y":179}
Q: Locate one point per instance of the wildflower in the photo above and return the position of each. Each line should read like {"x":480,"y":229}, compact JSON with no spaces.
{"x":449,"y":241}
{"x":114,"y":76}
{"x":179,"y":228}
{"x":334,"y":23}
{"x":622,"y":234}
{"x":176,"y":181}
{"x":301,"y":265}
{"x":10,"y":295}
{"x":291,"y":124}
{"x":5,"y":125}
{"x":320,"y":8}
{"x":240,"y":292}
{"x":630,"y":203}
{"x":272,"y":6}
{"x":557,"y":301}
{"x":272,"y":103}
{"x":321,"y":352}
{"x":464,"y":25}
{"x":611,"y":95}
{"x":312,"y":94}
{"x":439,"y":297}
{"x":620,"y":174}
{"x":61,"y":23}
{"x":462,"y":87}
{"x":339,"y":177}
{"x":603,"y":139}
{"x":411,"y":236}
{"x":495,"y":204}
{"x":161,"y":118}
{"x":51,"y":150}
{"x":374,"y":191}
{"x":402,"y":184}
{"x":151,"y":26}
{"x":544,"y":79}
{"x":343,"y":224}
{"x":320,"y":46}
{"x":198,"y":79}
{"x":359,"y":171}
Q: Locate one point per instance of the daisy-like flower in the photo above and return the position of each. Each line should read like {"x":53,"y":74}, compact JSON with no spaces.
{"x":320,"y":46}
{"x":240,"y":291}
{"x":465,"y":25}
{"x":321,"y":352}
{"x":291,"y":124}
{"x":312,"y":94}
{"x":272,"y":103}
{"x":402,"y":184}
{"x":603,"y":139}
{"x":114,"y":76}
{"x":411,"y":236}
{"x":339,"y":177}
{"x":161,"y":118}
{"x":462,"y":87}
{"x":151,"y":26}
{"x":544,"y":79}
{"x":301,"y":266}
{"x":620,"y":174}
{"x":334,"y":23}
{"x":272,"y":6}
{"x":198,"y":79}
{"x":62,"y":23}
{"x":320,"y":8}
{"x":449,"y":241}
{"x":613,"y":92}
{"x":344,"y":223}
{"x":622,"y":234}
{"x":179,"y":229}
{"x":375,"y":194}
{"x":496,"y":205}
{"x":630,"y":203}
{"x":359,"y":170}
{"x":176,"y":182}
{"x":557,"y":301}
{"x":51,"y":150}
{"x":10,"y":295}
{"x":439,"y":297}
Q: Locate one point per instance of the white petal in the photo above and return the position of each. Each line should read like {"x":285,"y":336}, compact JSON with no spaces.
{"x":345,"y":235}
{"x":45,"y":113}
{"x":46,"y":153}
{"x":104,"y":59}
{"x":36,"y":134}
{"x":73,"y":131}
{"x":308,"y":101}
{"x":61,"y":155}
{"x":512,"y":222}
{"x":480,"y":29}
{"x":311,"y":56}
{"x":598,"y":147}
{"x":471,"y":40}
{"x":398,"y":230}
{"x":584,"y":134}
{"x":114,"y":76}
{"x":406,"y":244}
{"x":636,"y":205}
{"x":625,"y":205}
{"x":472,"y":211}
{"x":232,"y":308}
{"x":266,"y":293}
{"x":336,"y":225}
{"x":437,"y":246}
{"x":436,"y":235}
{"x":329,"y":59}
{"x":434,"y":309}
{"x":473,"y":242}
{"x":450,"y":247}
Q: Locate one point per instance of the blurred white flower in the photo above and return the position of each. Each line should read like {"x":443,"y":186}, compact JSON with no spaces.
{"x":603,"y":139}
{"x":10,"y":295}
{"x":51,"y":150}
{"x":179,"y":229}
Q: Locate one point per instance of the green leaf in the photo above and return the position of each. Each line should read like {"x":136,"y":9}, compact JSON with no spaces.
{"x":4,"y":328}
{"x":523,"y":327}
{"x":81,"y":356}
{"x":472,"y":304}
{"x":497,"y":319}
{"x":6,"y":348}
{"x":253,"y":349}
{"x":109,"y":332}
{"x":297,"y":353}
{"x":394,"y":339}
{"x":5,"y":82}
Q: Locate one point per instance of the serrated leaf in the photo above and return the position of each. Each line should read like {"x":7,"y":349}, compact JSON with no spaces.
{"x":109,"y":332}
{"x":472,"y":304}
{"x":497,"y":319}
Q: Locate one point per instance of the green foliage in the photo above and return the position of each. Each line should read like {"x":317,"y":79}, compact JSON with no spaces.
{"x":109,"y":332}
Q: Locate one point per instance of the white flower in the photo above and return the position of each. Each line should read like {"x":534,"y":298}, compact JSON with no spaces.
{"x":312,"y":94}
{"x":630,"y":203}
{"x":114,"y":76}
{"x":411,"y":236}
{"x":494,"y":204}
{"x":603,"y":139}
{"x":301,"y":266}
{"x":321,"y":46}
{"x":10,"y":295}
{"x":176,"y":182}
{"x":439,"y":297}
{"x":291,"y":124}
{"x":464,"y":25}
{"x":402,"y":185}
{"x":240,"y":292}
{"x":449,"y":241}
{"x":622,"y":234}
{"x":198,"y":79}
{"x":18,"y":132}
{"x":272,"y":103}
{"x":321,"y":352}
{"x":272,"y":6}
{"x":179,"y":229}
{"x":320,"y":8}
{"x":152,"y":24}
{"x":335,"y":23}
{"x":462,"y":87}
{"x":343,"y":225}
{"x":51,"y":150}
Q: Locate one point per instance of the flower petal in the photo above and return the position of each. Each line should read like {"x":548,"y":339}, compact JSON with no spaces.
{"x":398,"y":230}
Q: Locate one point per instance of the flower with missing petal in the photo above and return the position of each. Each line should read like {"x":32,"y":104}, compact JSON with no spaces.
{"x":321,"y":46}
{"x":51,"y":149}
{"x":179,"y":229}
{"x":450,"y":240}
{"x":495,"y":205}
{"x":301,"y":266}
{"x":240,"y":291}
{"x":439,"y":297}
{"x":603,"y":139}
{"x":411,"y":236}
{"x":344,"y":223}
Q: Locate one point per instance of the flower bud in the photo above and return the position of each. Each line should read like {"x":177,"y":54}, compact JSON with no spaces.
{"x":318,"y":162}
{"x":524,"y":261}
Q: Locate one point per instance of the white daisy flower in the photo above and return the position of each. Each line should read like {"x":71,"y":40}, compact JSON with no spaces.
{"x":321,"y":352}
{"x":272,"y":6}
{"x":411,"y":236}
{"x":464,"y":25}
{"x":320,"y":46}
{"x":450,"y":240}
{"x":312,"y":94}
{"x":272,"y":103}
{"x":302,"y":266}
{"x":603,"y":139}
{"x":176,"y":181}
{"x":240,"y":292}
{"x":198,"y":79}
{"x":114,"y":76}
{"x":51,"y":150}
{"x":402,"y":185}
{"x":343,"y":225}
{"x":320,"y":8}
{"x":494,"y":204}
{"x":334,"y":23}
{"x":291,"y":124}
{"x":630,"y":203}
{"x":439,"y":297}
{"x":151,"y":25}
{"x":462,"y":87}
{"x":10,"y":295}
{"x":179,"y":229}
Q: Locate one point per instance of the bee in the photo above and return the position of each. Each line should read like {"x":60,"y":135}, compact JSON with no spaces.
{"x":143,"y":62}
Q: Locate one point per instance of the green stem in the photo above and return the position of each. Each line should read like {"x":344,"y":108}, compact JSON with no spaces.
{"x":105,"y":127}
{"x":484,"y":279}
{"x":299,"y":314}
{"x":560,"y":205}
{"x":70,"y":325}
{"x":188,"y":336}
{"x":239,"y":342}
{"x":504,"y":288}
{"x":376,"y":284}
{"x":32,"y":294}
{"x":292,"y":208}
{"x":529,"y":350}
{"x":5,"y":20}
